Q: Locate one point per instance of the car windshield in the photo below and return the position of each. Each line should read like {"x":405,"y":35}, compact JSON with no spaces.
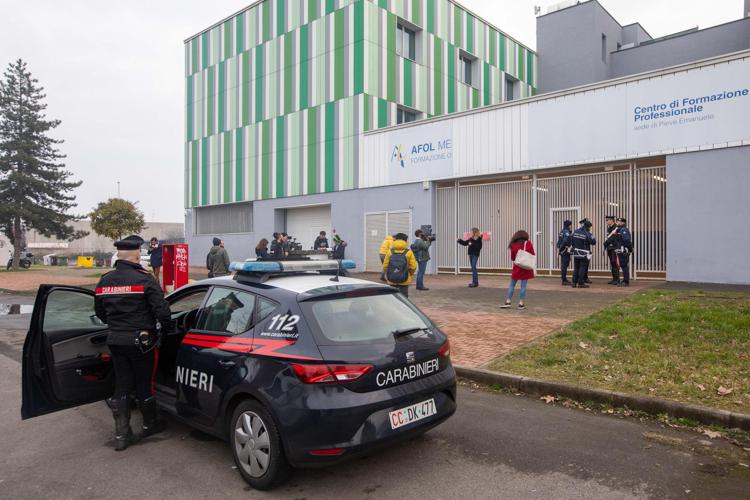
{"x":365,"y":318}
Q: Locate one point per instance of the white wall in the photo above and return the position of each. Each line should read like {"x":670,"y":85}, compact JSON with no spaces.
{"x":708,"y":238}
{"x":588,"y":125}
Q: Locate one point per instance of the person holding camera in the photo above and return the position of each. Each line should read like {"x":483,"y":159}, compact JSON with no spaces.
{"x":421,"y":249}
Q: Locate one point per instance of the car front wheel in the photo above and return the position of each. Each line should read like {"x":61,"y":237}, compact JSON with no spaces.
{"x":256,"y":446}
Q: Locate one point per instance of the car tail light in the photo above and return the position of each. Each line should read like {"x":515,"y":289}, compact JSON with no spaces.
{"x":327,"y":374}
{"x":445,"y":349}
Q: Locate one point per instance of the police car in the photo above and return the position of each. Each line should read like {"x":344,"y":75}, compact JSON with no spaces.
{"x":292,"y":362}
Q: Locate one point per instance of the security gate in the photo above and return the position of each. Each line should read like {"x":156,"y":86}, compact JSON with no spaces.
{"x":540,"y":203}
{"x":379,"y":224}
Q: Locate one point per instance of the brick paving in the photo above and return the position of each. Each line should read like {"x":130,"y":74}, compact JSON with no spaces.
{"x":480,"y":331}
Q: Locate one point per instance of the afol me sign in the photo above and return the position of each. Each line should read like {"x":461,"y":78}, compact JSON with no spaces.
{"x":420,"y":153}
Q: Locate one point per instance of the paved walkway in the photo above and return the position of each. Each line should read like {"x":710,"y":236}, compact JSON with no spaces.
{"x":480,"y":331}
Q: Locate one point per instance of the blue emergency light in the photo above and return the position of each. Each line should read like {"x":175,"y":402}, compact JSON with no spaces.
{"x":290,"y":266}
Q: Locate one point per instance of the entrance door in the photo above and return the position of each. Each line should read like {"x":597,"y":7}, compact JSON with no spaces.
{"x":556,"y":219}
{"x":377,"y":226}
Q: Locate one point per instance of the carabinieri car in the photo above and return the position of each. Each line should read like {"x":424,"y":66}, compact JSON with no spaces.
{"x":290,"y":362}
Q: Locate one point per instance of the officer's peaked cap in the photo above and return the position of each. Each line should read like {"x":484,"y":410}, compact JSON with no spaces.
{"x":609,"y":217}
{"x":132,"y":242}
{"x":568,"y":223}
{"x":622,"y":219}
{"x":584,"y":221}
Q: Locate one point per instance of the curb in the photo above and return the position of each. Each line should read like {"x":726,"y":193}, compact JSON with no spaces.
{"x":640,"y":403}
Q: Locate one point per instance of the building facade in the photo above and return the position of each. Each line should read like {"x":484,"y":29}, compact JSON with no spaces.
{"x":278,"y":95}
{"x":644,"y":146}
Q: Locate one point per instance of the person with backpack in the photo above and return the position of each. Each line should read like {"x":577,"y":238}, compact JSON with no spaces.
{"x":385,"y":249}
{"x":521,"y":272}
{"x":400,"y":264}
{"x":474,"y":242}
{"x":421,"y":249}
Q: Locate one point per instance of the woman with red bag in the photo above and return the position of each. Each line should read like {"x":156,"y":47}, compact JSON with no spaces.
{"x":524,"y":261}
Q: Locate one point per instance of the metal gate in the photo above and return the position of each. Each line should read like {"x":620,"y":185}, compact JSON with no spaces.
{"x":379,"y":224}
{"x":596,"y":194}
{"x":541,"y":203}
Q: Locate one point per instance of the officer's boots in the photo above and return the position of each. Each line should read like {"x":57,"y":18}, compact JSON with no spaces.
{"x":124,"y":436}
{"x":152,"y":423}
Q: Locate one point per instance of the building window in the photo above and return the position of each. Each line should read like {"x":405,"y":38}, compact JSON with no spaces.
{"x":510,"y":89}
{"x":406,"y":42}
{"x":604,"y":48}
{"x":465,"y":66}
{"x":404,"y":115}
{"x":223,"y":219}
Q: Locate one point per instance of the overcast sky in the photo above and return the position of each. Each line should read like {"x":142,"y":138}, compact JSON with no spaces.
{"x":113,"y":73}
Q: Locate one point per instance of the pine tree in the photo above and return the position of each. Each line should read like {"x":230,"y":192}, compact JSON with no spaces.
{"x":34,"y":184}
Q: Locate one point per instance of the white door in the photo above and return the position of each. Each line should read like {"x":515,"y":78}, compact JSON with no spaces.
{"x":305,"y":223}
{"x":379,"y":224}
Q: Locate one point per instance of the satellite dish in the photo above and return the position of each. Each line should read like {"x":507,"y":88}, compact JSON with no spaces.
{"x":537,"y":10}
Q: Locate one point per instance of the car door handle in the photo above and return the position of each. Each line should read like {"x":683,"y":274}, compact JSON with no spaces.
{"x":99,"y":339}
{"x":226,"y":364}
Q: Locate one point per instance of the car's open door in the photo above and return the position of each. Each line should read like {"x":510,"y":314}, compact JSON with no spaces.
{"x":66,"y":362}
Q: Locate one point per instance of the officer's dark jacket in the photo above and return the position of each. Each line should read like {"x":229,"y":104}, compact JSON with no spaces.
{"x":582,"y":239}
{"x":128,"y":299}
{"x":564,"y":241}
{"x":626,"y":238}
{"x":613,"y":239}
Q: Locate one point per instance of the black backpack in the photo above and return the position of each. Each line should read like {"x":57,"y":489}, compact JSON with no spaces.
{"x":398,"y":267}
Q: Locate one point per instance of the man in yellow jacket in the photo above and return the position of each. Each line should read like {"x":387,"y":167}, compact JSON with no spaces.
{"x":385,"y":248}
{"x":399,"y":264}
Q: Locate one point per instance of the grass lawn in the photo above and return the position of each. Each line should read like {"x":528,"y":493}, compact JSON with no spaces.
{"x":687,"y":346}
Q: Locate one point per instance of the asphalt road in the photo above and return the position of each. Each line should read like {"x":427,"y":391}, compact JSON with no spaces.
{"x":496,"y":446}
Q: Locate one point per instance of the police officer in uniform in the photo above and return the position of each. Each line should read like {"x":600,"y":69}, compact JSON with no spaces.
{"x":624,"y":250}
{"x":582,"y":242}
{"x":612,"y":242}
{"x":564,"y":242}
{"x":131,"y":303}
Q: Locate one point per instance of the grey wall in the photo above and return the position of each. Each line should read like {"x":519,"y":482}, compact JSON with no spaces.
{"x":722,"y":39}
{"x":347,"y":217}
{"x":708,"y":239}
{"x":569,"y":46}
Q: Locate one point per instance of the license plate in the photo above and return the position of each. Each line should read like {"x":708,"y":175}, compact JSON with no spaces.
{"x":405,"y":416}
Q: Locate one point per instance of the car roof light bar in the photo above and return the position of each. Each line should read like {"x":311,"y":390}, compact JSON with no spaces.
{"x":289,"y":266}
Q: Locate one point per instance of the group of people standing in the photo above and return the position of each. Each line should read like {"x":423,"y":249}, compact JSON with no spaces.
{"x":401,"y":260}
{"x":281,"y":245}
{"x":577,"y":244}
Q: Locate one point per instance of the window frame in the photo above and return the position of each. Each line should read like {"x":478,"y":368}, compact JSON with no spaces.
{"x":403,"y":111}
{"x":409,"y":31}
{"x":253,"y":323}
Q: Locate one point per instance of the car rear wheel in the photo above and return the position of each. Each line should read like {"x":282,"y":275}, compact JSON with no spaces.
{"x":256,"y":446}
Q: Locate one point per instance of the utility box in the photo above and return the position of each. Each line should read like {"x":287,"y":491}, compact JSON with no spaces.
{"x":174,"y":266}
{"x":85,"y":261}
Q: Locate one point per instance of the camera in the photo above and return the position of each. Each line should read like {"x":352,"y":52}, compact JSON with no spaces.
{"x":294,"y":247}
{"x":427,"y":233}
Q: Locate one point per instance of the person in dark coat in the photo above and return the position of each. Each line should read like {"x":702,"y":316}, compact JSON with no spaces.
{"x":582,"y":242}
{"x":474,"y":242}
{"x":131,"y":303}
{"x":154,"y":251}
{"x":321,"y":242}
{"x":564,"y":242}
